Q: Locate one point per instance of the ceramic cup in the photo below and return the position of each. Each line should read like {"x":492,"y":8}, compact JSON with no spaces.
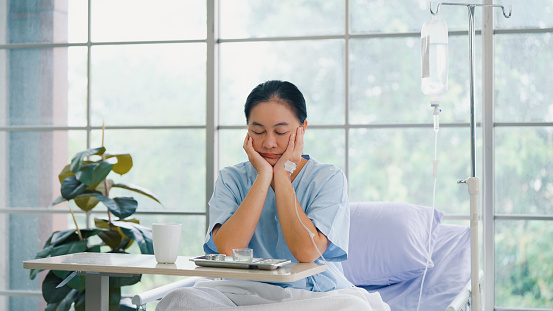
{"x":166,"y":238}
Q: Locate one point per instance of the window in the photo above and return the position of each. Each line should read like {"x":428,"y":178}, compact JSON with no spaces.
{"x":170,"y":91}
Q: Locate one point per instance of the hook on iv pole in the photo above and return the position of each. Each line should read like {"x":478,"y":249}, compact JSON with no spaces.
{"x":472,"y":5}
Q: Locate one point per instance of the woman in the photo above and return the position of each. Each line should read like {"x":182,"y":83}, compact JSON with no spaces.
{"x":258,"y":204}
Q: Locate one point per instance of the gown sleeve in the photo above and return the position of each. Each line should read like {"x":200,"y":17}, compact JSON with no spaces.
{"x":329,"y":211}
{"x":227,"y":196}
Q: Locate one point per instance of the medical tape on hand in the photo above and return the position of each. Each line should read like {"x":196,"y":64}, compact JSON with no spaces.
{"x":289,"y":166}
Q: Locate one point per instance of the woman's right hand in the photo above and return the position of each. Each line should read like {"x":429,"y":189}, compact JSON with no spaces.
{"x":259,"y":163}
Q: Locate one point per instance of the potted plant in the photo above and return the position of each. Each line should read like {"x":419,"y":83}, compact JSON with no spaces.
{"x":84,"y":181}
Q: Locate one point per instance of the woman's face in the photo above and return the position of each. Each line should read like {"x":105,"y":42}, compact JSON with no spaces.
{"x":270,"y":125}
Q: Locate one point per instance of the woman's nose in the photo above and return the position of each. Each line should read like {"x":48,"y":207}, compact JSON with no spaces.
{"x":269,"y":142}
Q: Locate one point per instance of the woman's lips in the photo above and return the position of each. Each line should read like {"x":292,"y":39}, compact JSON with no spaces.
{"x":270,"y":155}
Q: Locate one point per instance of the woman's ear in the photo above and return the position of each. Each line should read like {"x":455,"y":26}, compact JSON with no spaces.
{"x":304,"y":125}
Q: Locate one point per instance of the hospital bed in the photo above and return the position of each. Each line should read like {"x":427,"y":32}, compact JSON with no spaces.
{"x":388,"y":249}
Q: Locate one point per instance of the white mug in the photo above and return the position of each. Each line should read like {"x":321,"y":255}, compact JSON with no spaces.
{"x":166,"y":238}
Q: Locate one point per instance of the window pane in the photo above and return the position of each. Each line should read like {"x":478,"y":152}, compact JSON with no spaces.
{"x":523,"y":67}
{"x":37,"y":90}
{"x":4,"y":87}
{"x":526,"y":14}
{"x":405,"y":16}
{"x":23,"y":229}
{"x":77,"y":86}
{"x":386,"y":84}
{"x":231,"y":150}
{"x":523,"y":270}
{"x":148,"y":84}
{"x":267,"y":18}
{"x":169,"y":163}
{"x":326,"y":145}
{"x":29,"y":180}
{"x":77,"y":19}
{"x":523,"y":170}
{"x":38,"y":21}
{"x":315,"y":67}
{"x":141,"y":20}
{"x":396,"y":165}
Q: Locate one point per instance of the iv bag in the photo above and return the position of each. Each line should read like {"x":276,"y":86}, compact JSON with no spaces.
{"x":434,"y":57}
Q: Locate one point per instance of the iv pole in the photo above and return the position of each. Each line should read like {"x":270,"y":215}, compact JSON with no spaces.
{"x":473,"y":182}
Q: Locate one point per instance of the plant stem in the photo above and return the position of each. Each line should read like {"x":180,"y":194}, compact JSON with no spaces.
{"x":76,"y":226}
{"x":105,"y":180}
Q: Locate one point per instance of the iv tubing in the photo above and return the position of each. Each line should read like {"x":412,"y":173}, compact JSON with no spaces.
{"x":436,"y":116}
{"x":311,"y":234}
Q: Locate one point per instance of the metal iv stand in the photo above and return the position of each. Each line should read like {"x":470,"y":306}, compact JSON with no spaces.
{"x":473,"y":182}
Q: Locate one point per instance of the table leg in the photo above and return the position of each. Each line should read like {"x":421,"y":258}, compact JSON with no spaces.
{"x":96,"y":292}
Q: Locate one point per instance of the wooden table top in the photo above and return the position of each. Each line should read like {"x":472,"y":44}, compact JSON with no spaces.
{"x":146,"y":264}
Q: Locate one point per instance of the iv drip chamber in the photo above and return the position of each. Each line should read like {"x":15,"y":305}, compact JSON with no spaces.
{"x":434,"y":58}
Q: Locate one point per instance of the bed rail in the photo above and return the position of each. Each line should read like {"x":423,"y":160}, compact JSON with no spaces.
{"x":462,"y":301}
{"x":140,"y":300}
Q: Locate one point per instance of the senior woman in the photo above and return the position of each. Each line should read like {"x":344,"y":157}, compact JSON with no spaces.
{"x":259,"y":204}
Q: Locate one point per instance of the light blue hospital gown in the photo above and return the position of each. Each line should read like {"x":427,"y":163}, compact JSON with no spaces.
{"x":322,"y":193}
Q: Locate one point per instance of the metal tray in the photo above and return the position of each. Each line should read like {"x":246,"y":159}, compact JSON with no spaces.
{"x":256,"y":263}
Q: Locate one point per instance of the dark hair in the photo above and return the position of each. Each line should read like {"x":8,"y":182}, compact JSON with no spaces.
{"x":275,"y":89}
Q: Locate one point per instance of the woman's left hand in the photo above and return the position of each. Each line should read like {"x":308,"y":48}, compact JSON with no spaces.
{"x":293,"y":151}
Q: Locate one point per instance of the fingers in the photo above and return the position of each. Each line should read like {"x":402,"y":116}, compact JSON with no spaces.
{"x":299,"y":140}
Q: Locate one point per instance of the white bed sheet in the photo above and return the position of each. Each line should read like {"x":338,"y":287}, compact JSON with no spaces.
{"x":249,"y":295}
{"x":450,"y":274}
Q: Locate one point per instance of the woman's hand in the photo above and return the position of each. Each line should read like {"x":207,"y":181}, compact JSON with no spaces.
{"x":259,"y":163}
{"x":293,"y":151}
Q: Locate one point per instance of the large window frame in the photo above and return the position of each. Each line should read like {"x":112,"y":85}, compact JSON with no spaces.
{"x":213,"y":128}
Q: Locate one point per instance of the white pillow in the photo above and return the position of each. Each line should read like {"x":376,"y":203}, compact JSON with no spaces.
{"x":388,"y":242}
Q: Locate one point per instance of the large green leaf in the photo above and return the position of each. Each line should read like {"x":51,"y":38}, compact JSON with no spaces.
{"x":137,"y":189}
{"x":69,"y":248}
{"x":114,"y":298}
{"x":49,"y":291}
{"x":124,"y":163}
{"x":71,"y":187}
{"x":61,"y":241}
{"x":93,"y":173}
{"x":66,"y":302}
{"x":66,"y":172}
{"x":65,"y":236}
{"x":112,"y":238}
{"x":115,"y":237}
{"x":118,"y":281}
{"x":86,"y":203}
{"x":80,"y":304}
{"x":141,"y":234}
{"x":121,"y":207}
{"x":78,"y":159}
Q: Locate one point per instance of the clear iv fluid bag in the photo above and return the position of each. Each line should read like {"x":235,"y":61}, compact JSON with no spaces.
{"x":434,"y":57}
